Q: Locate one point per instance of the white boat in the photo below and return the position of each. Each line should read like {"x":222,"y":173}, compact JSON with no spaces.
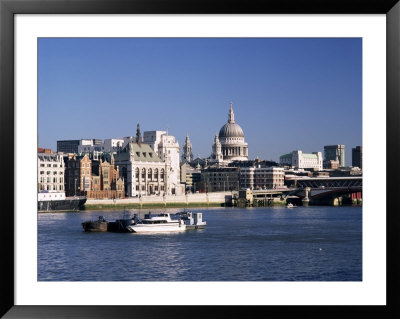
{"x":193,"y":220}
{"x":290,"y":205}
{"x":157,"y":223}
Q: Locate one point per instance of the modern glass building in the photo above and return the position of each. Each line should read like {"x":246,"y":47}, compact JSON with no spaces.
{"x":334,"y":153}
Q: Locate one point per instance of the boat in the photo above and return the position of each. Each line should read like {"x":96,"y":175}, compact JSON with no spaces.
{"x":121,"y":225}
{"x":290,"y":205}
{"x":193,"y":220}
{"x":49,"y":201}
{"x":100,"y":225}
{"x":157,"y":223}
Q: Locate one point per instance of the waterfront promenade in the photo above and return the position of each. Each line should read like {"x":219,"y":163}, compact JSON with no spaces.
{"x":216,"y":199}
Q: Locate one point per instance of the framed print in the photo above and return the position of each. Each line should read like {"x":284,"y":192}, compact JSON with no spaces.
{"x":338,"y":65}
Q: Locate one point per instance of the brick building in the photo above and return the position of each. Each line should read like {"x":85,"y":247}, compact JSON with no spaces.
{"x":106,"y":181}
{"x":78,"y":174}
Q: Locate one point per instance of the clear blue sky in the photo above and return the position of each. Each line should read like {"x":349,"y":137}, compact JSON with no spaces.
{"x":287,"y":93}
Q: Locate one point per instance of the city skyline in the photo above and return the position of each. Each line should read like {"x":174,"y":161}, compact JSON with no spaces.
{"x":287,"y":94}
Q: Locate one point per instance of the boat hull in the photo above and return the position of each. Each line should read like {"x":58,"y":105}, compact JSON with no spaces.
{"x":67,"y":204}
{"x":95,"y":226}
{"x":149,"y":228}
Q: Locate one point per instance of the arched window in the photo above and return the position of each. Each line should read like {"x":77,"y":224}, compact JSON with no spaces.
{"x":149,"y":174}
{"x":137,"y":174}
{"x":143,"y":174}
{"x":162,"y":175}
{"x":156,"y":174}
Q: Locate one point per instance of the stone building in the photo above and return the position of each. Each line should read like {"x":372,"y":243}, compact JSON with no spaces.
{"x":144,"y":172}
{"x":187,"y":153}
{"x":230,"y":144}
{"x":191,"y":177}
{"x":298,"y":159}
{"x":219,"y":179}
{"x":78,"y":174}
{"x":262,"y":177}
{"x":50,"y":172}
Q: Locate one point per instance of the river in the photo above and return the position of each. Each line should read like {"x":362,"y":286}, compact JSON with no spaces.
{"x":315,"y":243}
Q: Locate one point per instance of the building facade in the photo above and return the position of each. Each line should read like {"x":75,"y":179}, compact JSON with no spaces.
{"x":191,"y":177}
{"x":50,"y":172}
{"x":68,"y":146}
{"x":167,"y":148}
{"x":106,"y":182}
{"x":143,"y":171}
{"x":78,"y":174}
{"x":111,"y":145}
{"x":298,"y":159}
{"x":230,"y":144}
{"x":335,"y":153}
{"x":262,"y":177}
{"x":219,"y":179}
{"x":75,"y":146}
{"x":356,"y":156}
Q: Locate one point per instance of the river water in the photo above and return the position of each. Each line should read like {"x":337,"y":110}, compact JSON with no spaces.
{"x":316,"y":243}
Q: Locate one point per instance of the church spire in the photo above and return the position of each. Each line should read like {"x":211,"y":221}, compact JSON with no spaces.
{"x":231,"y":117}
{"x":138,"y":135}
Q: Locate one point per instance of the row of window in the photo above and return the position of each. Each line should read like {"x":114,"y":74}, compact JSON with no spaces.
{"x":49,"y":165}
{"x":150,"y":175}
{"x":48,"y":180}
{"x":155,"y":188}
{"x":49,"y":172}
{"x":43,"y":187}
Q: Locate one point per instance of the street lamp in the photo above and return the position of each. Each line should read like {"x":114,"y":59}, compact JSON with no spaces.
{"x":75,"y":187}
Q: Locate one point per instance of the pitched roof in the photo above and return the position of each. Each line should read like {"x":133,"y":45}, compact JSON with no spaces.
{"x":141,"y":153}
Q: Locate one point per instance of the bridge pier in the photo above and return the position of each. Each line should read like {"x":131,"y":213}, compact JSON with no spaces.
{"x":306,"y":200}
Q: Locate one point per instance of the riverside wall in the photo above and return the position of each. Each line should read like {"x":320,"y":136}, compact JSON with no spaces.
{"x":217,"y":199}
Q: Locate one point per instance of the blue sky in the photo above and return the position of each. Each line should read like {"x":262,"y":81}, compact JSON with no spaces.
{"x":287,"y":93}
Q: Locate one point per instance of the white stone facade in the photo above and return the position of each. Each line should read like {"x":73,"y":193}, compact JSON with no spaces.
{"x":298,"y":160}
{"x":50,"y":172}
{"x":167,"y":148}
{"x":232,"y":143}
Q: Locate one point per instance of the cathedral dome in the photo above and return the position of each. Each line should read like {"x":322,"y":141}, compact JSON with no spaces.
{"x":230,"y":130}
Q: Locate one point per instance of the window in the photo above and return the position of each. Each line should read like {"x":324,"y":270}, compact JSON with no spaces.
{"x":41,"y":172}
{"x":48,"y":172}
{"x":41,"y":165}
{"x":83,"y":165}
{"x":137,"y":174}
{"x":54,"y":173}
{"x":149,"y":174}
{"x":143,"y":174}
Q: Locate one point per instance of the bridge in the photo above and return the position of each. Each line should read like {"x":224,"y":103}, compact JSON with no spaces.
{"x":318,"y":190}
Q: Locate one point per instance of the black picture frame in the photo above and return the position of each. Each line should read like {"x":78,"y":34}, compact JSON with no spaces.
{"x":8,"y":8}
